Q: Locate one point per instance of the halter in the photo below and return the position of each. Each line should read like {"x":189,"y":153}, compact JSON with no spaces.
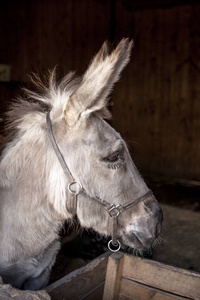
{"x":75,"y":189}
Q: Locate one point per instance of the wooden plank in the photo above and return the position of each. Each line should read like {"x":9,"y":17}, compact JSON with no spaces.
{"x":159,"y":89}
{"x":113,"y":276}
{"x":132,"y":290}
{"x":123,"y":297}
{"x":167,"y":278}
{"x":96,"y":293}
{"x":67,"y":34}
{"x":81,"y":282}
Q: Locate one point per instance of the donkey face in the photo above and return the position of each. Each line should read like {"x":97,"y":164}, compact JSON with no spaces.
{"x":101,"y":162}
{"x":99,"y":159}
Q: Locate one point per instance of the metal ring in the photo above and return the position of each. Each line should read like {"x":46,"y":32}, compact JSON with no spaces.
{"x":74,"y":192}
{"x":118,"y":244}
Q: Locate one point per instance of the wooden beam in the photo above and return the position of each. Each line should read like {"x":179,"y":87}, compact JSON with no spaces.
{"x":113,"y":276}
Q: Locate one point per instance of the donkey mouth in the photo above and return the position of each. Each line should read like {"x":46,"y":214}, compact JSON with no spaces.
{"x":136,"y":241}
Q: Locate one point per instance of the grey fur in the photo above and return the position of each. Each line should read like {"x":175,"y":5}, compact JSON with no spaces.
{"x":34,"y":197}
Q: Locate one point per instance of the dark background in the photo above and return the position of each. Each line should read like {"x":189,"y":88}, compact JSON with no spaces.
{"x":157,"y":101}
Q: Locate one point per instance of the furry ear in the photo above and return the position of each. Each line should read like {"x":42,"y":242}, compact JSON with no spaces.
{"x":97,"y":82}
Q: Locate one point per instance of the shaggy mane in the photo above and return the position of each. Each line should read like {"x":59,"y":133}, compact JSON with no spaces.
{"x":47,"y":90}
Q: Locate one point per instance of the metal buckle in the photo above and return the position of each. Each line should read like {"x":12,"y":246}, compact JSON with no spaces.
{"x":74,"y":192}
{"x":115,"y":210}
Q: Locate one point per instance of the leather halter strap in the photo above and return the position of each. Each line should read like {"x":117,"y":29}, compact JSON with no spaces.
{"x":113,"y":209}
{"x":59,"y":155}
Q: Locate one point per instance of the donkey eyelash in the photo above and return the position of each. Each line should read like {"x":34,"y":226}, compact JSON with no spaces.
{"x":114,"y":166}
{"x":114,"y":157}
{"x":116,"y":161}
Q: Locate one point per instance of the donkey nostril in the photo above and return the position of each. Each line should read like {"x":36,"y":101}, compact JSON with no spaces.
{"x":158,"y":229}
{"x":159,"y":222}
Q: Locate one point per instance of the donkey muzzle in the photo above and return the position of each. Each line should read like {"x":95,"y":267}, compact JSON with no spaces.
{"x":143,"y":231}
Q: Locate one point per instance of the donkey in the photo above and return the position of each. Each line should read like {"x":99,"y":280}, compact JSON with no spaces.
{"x":63,"y":159}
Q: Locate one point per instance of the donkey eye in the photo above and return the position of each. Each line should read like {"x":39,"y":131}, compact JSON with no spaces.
{"x":114,"y":157}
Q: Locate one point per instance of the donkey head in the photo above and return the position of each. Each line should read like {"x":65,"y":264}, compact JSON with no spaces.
{"x":98,"y":157}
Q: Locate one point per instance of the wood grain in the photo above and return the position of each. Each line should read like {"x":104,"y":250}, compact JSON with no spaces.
{"x":133,"y":290}
{"x":113,"y":276}
{"x":167,"y":278}
{"x":82,"y":283}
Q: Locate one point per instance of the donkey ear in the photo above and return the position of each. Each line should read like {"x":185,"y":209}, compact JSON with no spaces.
{"x":97,"y":82}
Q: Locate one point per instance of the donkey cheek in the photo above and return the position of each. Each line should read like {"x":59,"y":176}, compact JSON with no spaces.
{"x":97,"y":222}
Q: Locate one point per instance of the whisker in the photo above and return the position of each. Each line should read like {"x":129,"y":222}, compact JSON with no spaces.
{"x":158,"y":241}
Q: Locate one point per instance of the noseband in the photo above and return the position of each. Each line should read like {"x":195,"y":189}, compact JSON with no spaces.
{"x":75,"y":189}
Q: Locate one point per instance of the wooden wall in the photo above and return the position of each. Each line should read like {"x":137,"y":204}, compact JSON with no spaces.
{"x":39,"y":34}
{"x":157,"y":101}
{"x":160,"y":90}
